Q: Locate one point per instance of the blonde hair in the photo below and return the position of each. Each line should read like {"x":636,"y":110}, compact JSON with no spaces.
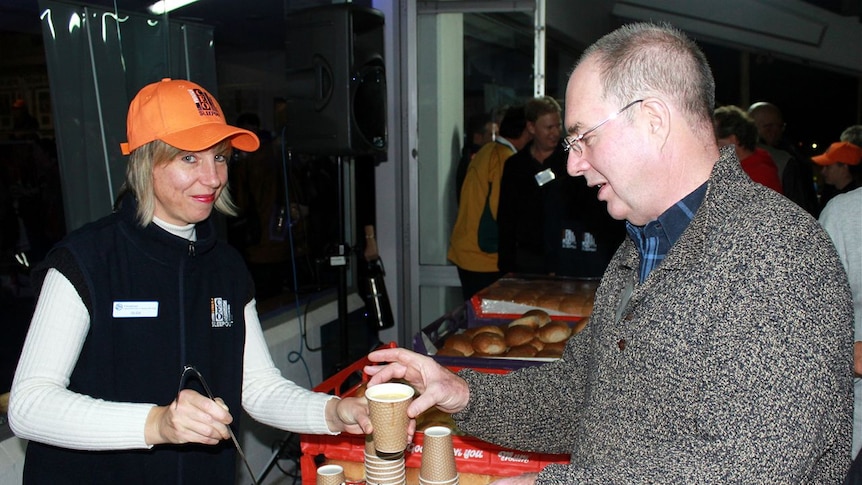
{"x":139,"y":177}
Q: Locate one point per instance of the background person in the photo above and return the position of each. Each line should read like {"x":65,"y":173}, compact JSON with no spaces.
{"x":682,"y":374}
{"x":525,"y":191}
{"x":551,"y":222}
{"x":734,"y":127}
{"x":127,"y":301}
{"x":838,"y":167}
{"x":481,"y":129}
{"x":853,"y":134}
{"x":795,"y":168}
{"x":474,"y":240}
{"x":841,"y":220}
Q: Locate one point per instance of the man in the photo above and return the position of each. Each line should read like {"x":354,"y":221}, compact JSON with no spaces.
{"x":840,"y":218}
{"x":474,"y":240}
{"x":837,"y":167}
{"x":482,"y":129}
{"x":853,"y":134}
{"x":734,"y":127}
{"x":549,"y":221}
{"x":719,"y":346}
{"x":797,"y":179}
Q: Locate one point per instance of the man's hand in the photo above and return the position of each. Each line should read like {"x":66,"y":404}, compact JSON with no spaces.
{"x":436,"y":385}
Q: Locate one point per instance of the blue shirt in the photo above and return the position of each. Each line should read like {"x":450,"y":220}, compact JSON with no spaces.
{"x":654,"y":240}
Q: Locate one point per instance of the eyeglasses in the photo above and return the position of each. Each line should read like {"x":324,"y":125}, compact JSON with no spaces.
{"x":574,"y":142}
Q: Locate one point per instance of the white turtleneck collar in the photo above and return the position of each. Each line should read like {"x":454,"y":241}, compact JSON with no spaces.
{"x":185,"y":232}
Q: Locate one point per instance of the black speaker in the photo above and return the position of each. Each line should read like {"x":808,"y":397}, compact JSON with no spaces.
{"x":336,"y":81}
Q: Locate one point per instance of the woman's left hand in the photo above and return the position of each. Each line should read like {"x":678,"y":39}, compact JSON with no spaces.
{"x":349,"y":414}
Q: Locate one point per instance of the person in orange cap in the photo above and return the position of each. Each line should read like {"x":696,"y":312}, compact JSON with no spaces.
{"x":24,"y":125}
{"x":839,"y":167}
{"x":146,"y":343}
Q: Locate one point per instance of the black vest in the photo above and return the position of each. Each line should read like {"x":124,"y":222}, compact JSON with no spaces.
{"x":201,"y":289}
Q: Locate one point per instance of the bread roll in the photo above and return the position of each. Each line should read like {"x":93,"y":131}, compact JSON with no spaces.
{"x":541,"y":316}
{"x":538,"y":344}
{"x":525,"y":350}
{"x":519,"y":335}
{"x":490,"y":329}
{"x":532,"y":318}
{"x":461,"y":342}
{"x":554,"y":332}
{"x":450,"y":352}
{"x":489,"y":343}
{"x":549,"y":353}
{"x":573,"y":305}
{"x":580,"y":325}
{"x":527,"y":297}
{"x":550,"y":302}
{"x":587,"y":308}
{"x":556,"y":347}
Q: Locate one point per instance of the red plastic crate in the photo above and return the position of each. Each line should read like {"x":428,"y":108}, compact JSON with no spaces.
{"x":472,"y":455}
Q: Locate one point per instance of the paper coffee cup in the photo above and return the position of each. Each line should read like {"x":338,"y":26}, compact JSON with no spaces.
{"x":438,"y":456}
{"x":387,"y":405}
{"x":330,"y":475}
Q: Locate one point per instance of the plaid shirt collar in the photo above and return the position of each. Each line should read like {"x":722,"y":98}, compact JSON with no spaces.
{"x":654,"y":240}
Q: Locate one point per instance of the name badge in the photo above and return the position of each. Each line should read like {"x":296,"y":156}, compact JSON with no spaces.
{"x":545,"y":176}
{"x":136,"y":309}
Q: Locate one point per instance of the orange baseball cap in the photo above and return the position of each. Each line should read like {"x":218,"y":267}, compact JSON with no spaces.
{"x":183,"y":115}
{"x":840,"y":152}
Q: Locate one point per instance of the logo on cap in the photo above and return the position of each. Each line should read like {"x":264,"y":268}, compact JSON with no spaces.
{"x":206,"y":105}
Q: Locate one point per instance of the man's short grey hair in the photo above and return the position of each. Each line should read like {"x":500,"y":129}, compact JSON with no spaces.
{"x":644,"y":59}
{"x":853,"y":134}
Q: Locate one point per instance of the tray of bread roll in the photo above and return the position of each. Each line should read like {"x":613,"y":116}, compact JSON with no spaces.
{"x":462,"y":338}
{"x":560,"y":297}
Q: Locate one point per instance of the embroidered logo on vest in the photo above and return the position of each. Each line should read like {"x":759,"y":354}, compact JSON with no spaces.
{"x":220,"y":313}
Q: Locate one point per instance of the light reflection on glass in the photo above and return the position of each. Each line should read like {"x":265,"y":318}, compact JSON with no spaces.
{"x":74,"y":22}
{"x":111,"y":15}
{"x":46,"y":16}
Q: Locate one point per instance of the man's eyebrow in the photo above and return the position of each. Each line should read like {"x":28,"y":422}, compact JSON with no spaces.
{"x":572,"y":130}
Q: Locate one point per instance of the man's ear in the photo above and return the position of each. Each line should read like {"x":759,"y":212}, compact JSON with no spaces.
{"x":657,"y":116}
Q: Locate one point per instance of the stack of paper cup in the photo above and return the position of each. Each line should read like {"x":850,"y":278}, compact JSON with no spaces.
{"x":330,"y":475}
{"x":438,"y":458}
{"x":387,"y":406}
{"x":383,"y":468}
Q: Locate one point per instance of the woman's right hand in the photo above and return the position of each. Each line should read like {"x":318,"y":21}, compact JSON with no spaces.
{"x":190,"y":418}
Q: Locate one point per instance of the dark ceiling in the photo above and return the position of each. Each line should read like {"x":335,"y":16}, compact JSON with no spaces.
{"x":238,"y":24}
{"x":244,"y":24}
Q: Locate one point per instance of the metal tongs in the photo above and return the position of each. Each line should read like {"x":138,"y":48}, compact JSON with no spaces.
{"x":190,"y":369}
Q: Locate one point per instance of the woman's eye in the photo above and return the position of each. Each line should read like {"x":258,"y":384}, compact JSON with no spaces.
{"x":190,"y":158}
{"x":221,"y":158}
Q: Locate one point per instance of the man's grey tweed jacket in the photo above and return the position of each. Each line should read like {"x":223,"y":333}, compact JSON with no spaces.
{"x":731,"y":363}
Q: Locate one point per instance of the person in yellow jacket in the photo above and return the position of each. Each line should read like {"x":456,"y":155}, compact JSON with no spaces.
{"x":473,"y":244}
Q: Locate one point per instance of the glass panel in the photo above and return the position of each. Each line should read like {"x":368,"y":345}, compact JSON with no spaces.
{"x":90,"y":53}
{"x":469,"y":65}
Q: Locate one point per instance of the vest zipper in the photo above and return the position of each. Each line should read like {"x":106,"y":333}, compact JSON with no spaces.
{"x":191,"y":248}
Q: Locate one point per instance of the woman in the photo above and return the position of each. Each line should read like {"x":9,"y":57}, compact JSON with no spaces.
{"x":127,"y":302}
